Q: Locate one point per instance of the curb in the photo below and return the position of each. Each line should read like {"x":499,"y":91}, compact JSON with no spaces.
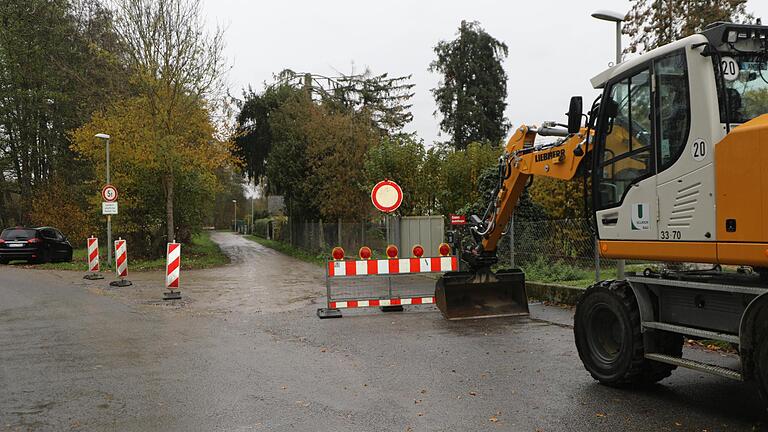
{"x":553,"y":292}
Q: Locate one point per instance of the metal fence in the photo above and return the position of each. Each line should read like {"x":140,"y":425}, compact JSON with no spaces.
{"x":548,"y":251}
{"x":557,"y":251}
{"x":320,"y":237}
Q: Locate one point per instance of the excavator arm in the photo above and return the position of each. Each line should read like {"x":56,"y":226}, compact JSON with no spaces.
{"x":521,"y":161}
{"x":481,"y":292}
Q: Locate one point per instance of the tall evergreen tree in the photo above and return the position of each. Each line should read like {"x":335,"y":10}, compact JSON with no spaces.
{"x":653,"y":23}
{"x":471,"y":95}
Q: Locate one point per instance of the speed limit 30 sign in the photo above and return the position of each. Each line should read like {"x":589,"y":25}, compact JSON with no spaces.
{"x":109,"y":193}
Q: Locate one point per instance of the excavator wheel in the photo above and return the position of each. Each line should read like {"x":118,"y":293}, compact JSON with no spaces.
{"x":609,"y":339}
{"x":760,"y":359}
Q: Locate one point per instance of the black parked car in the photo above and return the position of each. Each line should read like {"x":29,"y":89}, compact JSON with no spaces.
{"x":40,"y":245}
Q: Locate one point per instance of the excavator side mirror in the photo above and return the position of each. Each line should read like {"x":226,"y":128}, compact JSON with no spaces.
{"x":575,"y":112}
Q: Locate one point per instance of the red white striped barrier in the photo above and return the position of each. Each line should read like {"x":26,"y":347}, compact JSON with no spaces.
{"x":93,"y":254}
{"x":392,"y":266}
{"x":121,"y":258}
{"x":172,"y":265}
{"x":382,"y":302}
{"x":340,"y":269}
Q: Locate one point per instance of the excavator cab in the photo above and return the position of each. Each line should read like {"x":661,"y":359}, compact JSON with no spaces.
{"x":481,"y":292}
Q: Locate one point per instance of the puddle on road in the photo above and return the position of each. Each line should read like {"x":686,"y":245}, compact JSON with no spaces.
{"x":258,"y":280}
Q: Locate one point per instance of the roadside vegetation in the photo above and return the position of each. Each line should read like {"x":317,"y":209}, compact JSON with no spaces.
{"x":290,"y":250}
{"x":201,"y":252}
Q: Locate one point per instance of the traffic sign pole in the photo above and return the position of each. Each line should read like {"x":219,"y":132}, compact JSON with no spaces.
{"x":109,"y":219}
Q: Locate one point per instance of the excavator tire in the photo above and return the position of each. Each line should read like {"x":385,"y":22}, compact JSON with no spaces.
{"x":608,"y":337}
{"x":760,"y":359}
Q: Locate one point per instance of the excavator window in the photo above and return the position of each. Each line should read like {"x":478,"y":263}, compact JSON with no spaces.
{"x":746,"y":86}
{"x":627,"y":138}
{"x":674,"y":110}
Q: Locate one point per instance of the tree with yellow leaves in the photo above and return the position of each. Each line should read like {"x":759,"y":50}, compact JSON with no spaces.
{"x":143,"y":154}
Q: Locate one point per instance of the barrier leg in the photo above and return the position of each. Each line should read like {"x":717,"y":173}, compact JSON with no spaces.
{"x":398,"y":308}
{"x":328,"y":312}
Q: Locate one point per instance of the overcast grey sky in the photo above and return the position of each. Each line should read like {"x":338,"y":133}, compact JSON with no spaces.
{"x":555,"y":47}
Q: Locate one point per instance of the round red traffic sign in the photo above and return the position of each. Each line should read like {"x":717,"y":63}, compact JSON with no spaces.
{"x":109,"y":193}
{"x":387,"y":196}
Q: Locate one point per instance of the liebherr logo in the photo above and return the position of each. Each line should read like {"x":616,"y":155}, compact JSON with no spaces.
{"x":554,"y":154}
{"x":640,"y":220}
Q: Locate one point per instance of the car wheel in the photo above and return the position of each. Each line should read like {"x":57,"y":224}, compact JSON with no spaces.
{"x":609,"y":340}
{"x":45,"y":257}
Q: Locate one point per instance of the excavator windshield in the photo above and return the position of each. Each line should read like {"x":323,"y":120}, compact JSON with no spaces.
{"x":746,"y":86}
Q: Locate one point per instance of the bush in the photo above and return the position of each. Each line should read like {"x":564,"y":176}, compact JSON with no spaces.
{"x":62,"y":207}
{"x":543,"y":270}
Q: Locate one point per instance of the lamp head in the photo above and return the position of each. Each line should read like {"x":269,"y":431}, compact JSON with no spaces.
{"x":608,"y":15}
{"x":102,"y":136}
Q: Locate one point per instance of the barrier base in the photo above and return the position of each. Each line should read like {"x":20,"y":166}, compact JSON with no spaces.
{"x":121,"y":283}
{"x":391,"y":308}
{"x":93,"y":276}
{"x":172,"y":295}
{"x":324,"y":313}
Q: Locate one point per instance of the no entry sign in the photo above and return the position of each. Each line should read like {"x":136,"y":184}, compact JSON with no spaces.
{"x":387,"y":196}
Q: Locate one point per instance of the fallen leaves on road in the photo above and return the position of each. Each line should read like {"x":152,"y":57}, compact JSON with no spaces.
{"x":493,"y":419}
{"x":473,"y":393}
{"x":423,"y":391}
{"x":600,"y":414}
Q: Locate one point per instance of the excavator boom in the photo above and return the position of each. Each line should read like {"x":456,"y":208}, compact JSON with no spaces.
{"x":481,"y":292}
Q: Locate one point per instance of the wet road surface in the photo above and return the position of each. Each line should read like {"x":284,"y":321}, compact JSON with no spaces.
{"x":244,"y":351}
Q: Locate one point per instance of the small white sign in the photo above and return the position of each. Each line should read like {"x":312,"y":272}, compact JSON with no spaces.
{"x":109,"y":208}
{"x":730,"y":68}
{"x":640,"y":219}
{"x":699,"y":150}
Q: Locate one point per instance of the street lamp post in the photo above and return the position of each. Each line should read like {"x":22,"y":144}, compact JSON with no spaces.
{"x":106,"y":137}
{"x":618,"y":18}
{"x":234,"y":201}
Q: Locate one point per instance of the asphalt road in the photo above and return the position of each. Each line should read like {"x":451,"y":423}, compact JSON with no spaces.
{"x":253,"y":356}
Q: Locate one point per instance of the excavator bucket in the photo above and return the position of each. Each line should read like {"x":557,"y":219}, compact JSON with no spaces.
{"x":467,"y":295}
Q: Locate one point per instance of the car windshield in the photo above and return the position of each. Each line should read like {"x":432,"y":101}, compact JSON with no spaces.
{"x":17,"y":234}
{"x":746,"y":84}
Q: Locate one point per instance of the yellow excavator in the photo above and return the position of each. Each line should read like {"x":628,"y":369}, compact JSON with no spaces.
{"x":676,"y":151}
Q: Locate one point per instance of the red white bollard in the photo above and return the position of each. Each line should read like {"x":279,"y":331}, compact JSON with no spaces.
{"x":93,"y":259}
{"x":121,"y":263}
{"x":172,"y":270}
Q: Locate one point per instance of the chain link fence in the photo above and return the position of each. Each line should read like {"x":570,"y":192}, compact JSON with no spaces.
{"x":320,"y":237}
{"x":559,"y":251}
{"x":556,"y":251}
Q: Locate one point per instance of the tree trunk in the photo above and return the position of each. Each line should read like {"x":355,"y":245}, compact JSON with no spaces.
{"x":168,"y":186}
